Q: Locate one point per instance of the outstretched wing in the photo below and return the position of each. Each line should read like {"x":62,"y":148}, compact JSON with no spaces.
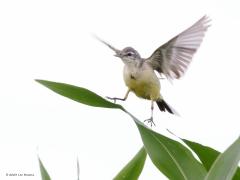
{"x":173,"y":57}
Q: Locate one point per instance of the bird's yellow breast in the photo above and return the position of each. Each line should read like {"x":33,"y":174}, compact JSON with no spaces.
{"x":143,"y":82}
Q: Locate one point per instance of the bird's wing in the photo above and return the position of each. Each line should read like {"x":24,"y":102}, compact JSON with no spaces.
{"x":173,"y":57}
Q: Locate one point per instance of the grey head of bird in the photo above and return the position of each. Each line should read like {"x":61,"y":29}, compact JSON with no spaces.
{"x":128,"y":55}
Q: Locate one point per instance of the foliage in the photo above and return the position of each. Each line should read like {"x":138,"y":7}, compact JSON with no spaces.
{"x":171,"y":157}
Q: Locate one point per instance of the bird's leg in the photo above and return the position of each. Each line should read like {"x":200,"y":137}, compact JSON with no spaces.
{"x":122,"y":99}
{"x":150,"y":120}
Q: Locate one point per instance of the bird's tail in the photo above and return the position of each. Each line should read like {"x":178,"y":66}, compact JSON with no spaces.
{"x":163,"y":106}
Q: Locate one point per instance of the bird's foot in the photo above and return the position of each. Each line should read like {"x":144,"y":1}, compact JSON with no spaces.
{"x":150,"y":121}
{"x":115,"y":99}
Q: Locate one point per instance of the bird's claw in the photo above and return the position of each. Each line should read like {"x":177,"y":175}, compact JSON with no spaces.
{"x":150,"y":120}
{"x":114,"y":99}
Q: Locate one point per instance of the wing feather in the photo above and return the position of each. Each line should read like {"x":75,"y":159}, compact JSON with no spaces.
{"x":172,"y":58}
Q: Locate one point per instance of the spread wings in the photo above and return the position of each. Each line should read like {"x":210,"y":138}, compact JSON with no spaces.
{"x":173,"y":57}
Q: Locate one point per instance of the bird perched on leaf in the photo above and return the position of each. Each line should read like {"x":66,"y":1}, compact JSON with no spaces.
{"x":171,"y":59}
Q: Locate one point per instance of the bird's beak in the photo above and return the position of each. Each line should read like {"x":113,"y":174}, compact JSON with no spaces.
{"x":118,"y":52}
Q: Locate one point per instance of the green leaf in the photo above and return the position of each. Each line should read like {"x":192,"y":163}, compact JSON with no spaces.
{"x":226,"y":164}
{"x":207,"y":155}
{"x":134,"y":168}
{"x":44,"y":173}
{"x":169,"y":156}
{"x":79,"y":94}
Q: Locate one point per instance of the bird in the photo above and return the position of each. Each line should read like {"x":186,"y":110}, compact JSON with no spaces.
{"x":170,"y":59}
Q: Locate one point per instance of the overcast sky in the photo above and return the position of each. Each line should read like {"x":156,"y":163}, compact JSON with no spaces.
{"x":52,"y":40}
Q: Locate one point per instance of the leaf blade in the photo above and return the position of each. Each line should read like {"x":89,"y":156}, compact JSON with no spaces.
{"x":207,"y":155}
{"x":134,"y":168}
{"x":174,"y":162}
{"x":79,"y":94}
{"x":226,"y":163}
{"x":43,"y":171}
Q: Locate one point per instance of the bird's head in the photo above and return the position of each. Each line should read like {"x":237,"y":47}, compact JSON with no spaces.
{"x":128,"y":54}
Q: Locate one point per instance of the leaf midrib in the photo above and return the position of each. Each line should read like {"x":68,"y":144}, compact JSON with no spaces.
{"x":170,"y":154}
{"x":214,"y":165}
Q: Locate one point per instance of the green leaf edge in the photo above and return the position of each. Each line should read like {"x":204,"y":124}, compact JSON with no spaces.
{"x":98,"y":101}
{"x":133,"y":169}
{"x":142,"y":125}
{"x":211,"y":153}
{"x":219,"y":161}
{"x":43,"y":171}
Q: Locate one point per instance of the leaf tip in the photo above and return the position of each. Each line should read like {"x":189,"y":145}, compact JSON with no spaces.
{"x":38,"y":80}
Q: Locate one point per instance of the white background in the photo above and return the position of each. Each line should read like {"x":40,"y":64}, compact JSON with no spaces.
{"x":52,"y":40}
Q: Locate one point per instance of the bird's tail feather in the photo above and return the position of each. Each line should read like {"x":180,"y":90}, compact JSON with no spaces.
{"x":163,"y":106}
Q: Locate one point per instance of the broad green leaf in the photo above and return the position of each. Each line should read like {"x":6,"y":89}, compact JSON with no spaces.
{"x":134,"y":168}
{"x":207,"y":155}
{"x":79,"y":94}
{"x":226,"y":163}
{"x":169,"y":156}
{"x":44,"y":173}
{"x":172,"y":158}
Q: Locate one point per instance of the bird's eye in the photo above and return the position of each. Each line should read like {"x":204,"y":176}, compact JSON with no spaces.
{"x":129,"y":54}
